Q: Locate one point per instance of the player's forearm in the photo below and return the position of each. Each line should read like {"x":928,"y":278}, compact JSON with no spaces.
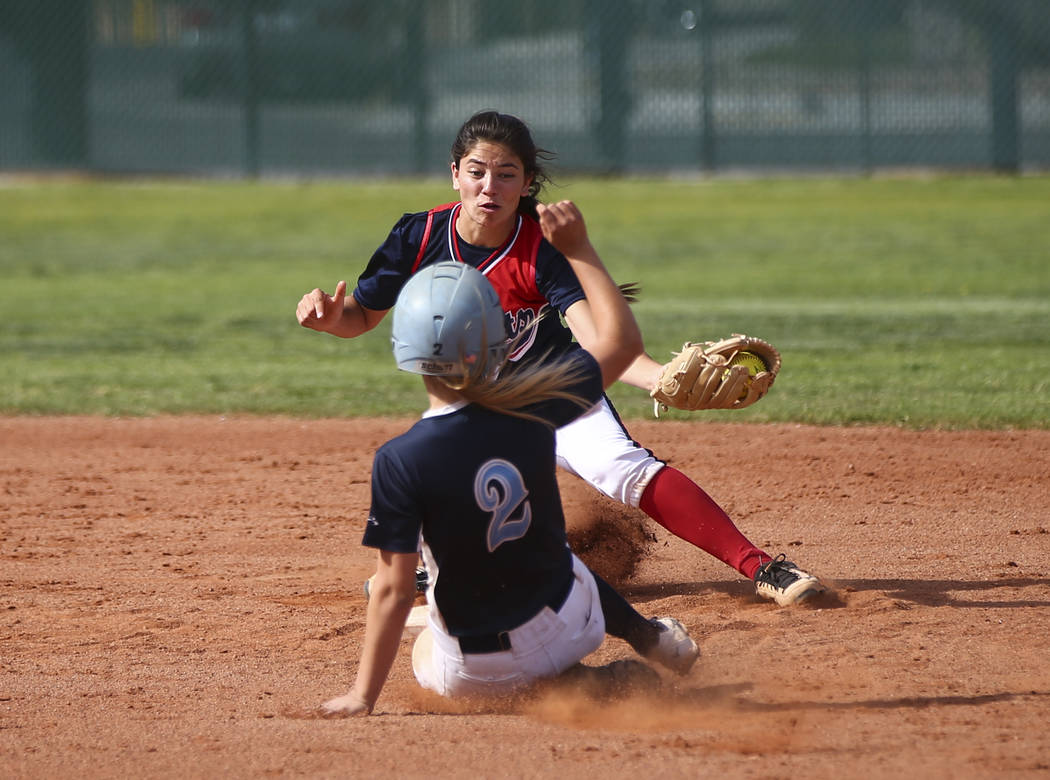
{"x":642,"y":373}
{"x":613,"y":321}
{"x":388,"y":610}
{"x":605,"y":325}
{"x":617,"y":340}
{"x":352,"y":322}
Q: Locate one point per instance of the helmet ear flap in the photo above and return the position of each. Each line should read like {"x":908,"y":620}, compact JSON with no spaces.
{"x":449,"y":322}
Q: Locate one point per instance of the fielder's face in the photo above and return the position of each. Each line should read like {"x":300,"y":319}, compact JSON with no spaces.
{"x":490,"y":180}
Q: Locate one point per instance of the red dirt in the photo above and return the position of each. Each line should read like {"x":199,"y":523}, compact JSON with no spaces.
{"x":179,"y":593}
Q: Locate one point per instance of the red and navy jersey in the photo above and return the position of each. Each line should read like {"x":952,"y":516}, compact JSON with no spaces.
{"x":478,"y":489}
{"x":529,"y":274}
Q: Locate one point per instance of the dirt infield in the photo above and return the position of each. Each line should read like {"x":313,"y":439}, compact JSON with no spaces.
{"x":178,"y":594}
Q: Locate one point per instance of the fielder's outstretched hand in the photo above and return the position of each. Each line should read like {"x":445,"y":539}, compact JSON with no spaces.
{"x":345,"y":706}
{"x":318,"y":310}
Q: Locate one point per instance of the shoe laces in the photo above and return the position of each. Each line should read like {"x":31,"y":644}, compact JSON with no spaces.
{"x":779,"y":571}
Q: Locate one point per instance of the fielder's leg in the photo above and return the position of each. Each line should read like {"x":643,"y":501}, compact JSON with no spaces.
{"x":597,"y":448}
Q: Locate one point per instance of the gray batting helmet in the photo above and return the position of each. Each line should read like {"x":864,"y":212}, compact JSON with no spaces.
{"x":448,"y":322}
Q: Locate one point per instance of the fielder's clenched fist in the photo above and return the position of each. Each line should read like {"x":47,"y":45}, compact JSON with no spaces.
{"x":563,"y":226}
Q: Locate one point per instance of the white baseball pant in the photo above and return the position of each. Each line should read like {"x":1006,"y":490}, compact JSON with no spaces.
{"x":542,"y":647}
{"x":597,"y":448}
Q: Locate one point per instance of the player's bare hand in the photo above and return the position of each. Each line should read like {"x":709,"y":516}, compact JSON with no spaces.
{"x":320,"y":311}
{"x":345,"y":706}
{"x":563,"y":226}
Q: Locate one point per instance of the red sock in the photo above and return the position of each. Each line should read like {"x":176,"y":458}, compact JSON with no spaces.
{"x":683,"y":508}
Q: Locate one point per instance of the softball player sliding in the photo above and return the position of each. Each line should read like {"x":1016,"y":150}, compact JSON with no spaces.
{"x":473,"y":485}
{"x":498,"y":172}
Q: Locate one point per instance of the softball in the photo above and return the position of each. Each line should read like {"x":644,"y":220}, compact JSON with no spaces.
{"x":754,"y":364}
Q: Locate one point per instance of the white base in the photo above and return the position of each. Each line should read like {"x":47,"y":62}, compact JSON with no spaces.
{"x":417,"y":620}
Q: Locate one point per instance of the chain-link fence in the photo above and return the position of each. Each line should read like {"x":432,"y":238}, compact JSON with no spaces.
{"x":308,"y":87}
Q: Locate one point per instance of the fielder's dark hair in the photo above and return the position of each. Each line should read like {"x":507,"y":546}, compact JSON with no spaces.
{"x":509,"y":131}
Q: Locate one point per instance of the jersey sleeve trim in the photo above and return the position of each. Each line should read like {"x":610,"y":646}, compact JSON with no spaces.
{"x":426,"y":233}
{"x":424,"y":242}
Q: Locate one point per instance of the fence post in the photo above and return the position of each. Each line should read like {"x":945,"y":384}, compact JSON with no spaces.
{"x":250,"y":85}
{"x":414,"y":84}
{"x":867,"y":30}
{"x":56,"y":44}
{"x":706,"y":23}
{"x":612,"y":26}
{"x":1003,"y":51}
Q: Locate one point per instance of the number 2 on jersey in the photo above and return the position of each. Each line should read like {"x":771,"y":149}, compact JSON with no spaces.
{"x":500,"y":491}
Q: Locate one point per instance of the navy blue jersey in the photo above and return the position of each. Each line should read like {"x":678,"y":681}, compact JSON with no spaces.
{"x":478,"y":489}
{"x":530,"y":275}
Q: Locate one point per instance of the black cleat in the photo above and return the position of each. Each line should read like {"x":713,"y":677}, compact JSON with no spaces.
{"x":785,"y":583}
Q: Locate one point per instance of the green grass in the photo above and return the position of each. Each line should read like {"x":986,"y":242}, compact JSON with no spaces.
{"x":915,"y":302}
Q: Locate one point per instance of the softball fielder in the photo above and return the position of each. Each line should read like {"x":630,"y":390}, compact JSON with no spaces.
{"x":498,"y":172}
{"x":473,"y":486}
